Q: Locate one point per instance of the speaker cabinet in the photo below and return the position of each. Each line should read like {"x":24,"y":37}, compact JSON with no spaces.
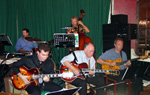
{"x":125,"y":31}
{"x":119,"y":19}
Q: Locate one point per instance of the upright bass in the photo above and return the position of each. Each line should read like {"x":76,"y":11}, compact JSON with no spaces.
{"x":82,"y":37}
{"x":81,"y":32}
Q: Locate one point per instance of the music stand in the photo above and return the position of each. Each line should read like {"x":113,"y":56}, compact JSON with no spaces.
{"x":64,"y":40}
{"x":65,"y":92}
{"x":4,"y":41}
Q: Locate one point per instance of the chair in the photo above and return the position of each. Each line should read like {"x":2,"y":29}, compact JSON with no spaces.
{"x":126,"y":82}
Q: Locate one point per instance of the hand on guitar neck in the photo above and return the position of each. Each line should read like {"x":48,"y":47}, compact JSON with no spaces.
{"x":127,"y":64}
{"x":91,"y":73}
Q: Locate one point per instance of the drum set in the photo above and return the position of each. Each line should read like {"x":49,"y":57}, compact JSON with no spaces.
{"x":37,"y":40}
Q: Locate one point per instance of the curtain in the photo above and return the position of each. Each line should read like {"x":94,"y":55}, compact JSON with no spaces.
{"x":43,"y":18}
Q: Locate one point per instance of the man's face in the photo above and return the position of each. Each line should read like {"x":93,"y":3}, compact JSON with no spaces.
{"x":89,"y":50}
{"x":74,"y":22}
{"x":25,"y":33}
{"x":42,"y":56}
{"x":119,"y":45}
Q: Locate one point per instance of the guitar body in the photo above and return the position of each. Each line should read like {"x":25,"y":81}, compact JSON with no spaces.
{"x":17,"y":81}
{"x":81,"y":66}
{"x":108,"y":67}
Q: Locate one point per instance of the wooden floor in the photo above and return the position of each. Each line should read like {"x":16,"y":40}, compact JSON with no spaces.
{"x":146,"y":91}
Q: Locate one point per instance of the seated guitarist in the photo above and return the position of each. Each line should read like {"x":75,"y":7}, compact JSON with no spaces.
{"x":84,"y":56}
{"x":42,"y":61}
{"x":114,"y":54}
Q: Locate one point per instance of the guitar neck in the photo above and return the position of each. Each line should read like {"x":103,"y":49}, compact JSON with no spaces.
{"x":48,"y":75}
{"x":121,"y":63}
{"x":96,"y":70}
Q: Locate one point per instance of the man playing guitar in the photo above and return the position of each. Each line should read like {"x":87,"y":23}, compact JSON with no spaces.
{"x":84,"y":56}
{"x":114,"y":54}
{"x":42,"y":61}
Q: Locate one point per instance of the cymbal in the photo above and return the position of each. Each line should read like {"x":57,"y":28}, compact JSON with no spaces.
{"x":51,"y":42}
{"x":66,"y":28}
{"x":32,"y":39}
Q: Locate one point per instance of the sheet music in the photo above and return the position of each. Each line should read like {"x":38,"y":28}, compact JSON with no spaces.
{"x":10,"y":61}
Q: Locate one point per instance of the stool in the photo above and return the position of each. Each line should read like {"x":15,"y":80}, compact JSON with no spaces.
{"x":9,"y":88}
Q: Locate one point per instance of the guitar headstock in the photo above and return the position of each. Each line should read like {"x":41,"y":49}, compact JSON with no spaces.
{"x":82,"y":14}
{"x":144,"y":57}
{"x":114,"y":72}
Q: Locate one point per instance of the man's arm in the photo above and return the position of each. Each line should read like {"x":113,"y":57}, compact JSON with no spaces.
{"x":74,"y":70}
{"x":35,"y":45}
{"x":17,"y":47}
{"x":16,"y":66}
{"x":23,"y":78}
{"x":85,"y":27}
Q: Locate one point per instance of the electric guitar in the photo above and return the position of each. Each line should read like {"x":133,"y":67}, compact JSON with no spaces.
{"x":83,"y":67}
{"x":33,"y":75}
{"x":118,"y":63}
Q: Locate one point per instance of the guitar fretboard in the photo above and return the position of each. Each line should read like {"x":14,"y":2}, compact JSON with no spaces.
{"x":121,"y":63}
{"x":48,"y":75}
{"x":96,"y":70}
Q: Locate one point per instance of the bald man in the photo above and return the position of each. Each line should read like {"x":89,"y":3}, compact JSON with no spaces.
{"x":85,"y":56}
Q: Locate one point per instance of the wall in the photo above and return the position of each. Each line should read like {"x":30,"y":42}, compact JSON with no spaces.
{"x":126,"y":7}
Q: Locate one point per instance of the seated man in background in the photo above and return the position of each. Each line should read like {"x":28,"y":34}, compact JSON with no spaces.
{"x":22,"y":44}
{"x":42,"y":61}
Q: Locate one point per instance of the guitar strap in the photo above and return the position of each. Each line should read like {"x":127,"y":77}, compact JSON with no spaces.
{"x":75,"y":58}
{"x":121,"y":54}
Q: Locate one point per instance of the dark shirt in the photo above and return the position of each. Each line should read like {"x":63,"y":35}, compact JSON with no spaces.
{"x":47,"y":67}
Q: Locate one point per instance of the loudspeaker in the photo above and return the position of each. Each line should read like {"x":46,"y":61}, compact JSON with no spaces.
{"x":119,"y":19}
{"x":132,"y":30}
{"x":125,"y":31}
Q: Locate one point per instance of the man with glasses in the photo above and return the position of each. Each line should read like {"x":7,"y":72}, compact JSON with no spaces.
{"x":85,"y":56}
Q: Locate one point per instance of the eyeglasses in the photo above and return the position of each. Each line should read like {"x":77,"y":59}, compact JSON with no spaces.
{"x":91,"y":51}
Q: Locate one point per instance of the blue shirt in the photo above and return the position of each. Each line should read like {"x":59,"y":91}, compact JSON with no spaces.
{"x":112,"y":55}
{"x":25,"y":45}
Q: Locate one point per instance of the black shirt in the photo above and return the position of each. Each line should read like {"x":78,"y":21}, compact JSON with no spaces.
{"x":47,"y":67}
